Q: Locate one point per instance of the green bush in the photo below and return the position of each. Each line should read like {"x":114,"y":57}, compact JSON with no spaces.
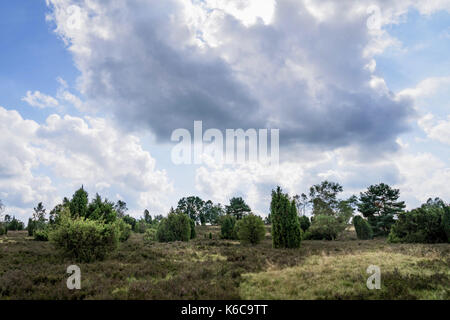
{"x":324,"y":227}
{"x":286,"y":231}
{"x":251,"y":229}
{"x":422,"y":225}
{"x":304,"y":223}
{"x":228,"y":227}
{"x":124,"y":230}
{"x":150,"y":235}
{"x":193,"y":233}
{"x":446,"y":222}
{"x":176,"y":227}
{"x":42,"y":234}
{"x":141,"y":226}
{"x":3,"y":229}
{"x":85,"y":240}
{"x":362,"y":228}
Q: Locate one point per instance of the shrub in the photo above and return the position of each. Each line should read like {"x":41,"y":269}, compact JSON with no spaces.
{"x":193,"y":233}
{"x":150,"y":235}
{"x":324,"y":227}
{"x":228,"y":227}
{"x":124,"y":230}
{"x":85,"y":240}
{"x":3,"y":229}
{"x":141,"y":226}
{"x":42,"y":234}
{"x":446,"y":222}
{"x":176,"y":227}
{"x":286,"y":231}
{"x":421,"y":225}
{"x":251,"y":229}
{"x":362,"y":228}
{"x":304,"y":223}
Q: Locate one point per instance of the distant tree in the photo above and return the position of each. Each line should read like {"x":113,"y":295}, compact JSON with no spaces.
{"x":130,"y":221}
{"x":15,"y":225}
{"x":286,"y":231}
{"x":237,"y":208}
{"x":267,"y":219}
{"x":380,"y":205}
{"x":192,"y":206}
{"x":79,"y":203}
{"x":39,"y":213}
{"x":323,"y":197}
{"x":362,"y":228}
{"x":228,"y":227}
{"x":158,"y":217}
{"x":302,"y":202}
{"x":304,"y":223}
{"x":121,"y":208}
{"x":100,"y":209}
{"x":176,"y":227}
{"x":2,"y":208}
{"x":147,"y":217}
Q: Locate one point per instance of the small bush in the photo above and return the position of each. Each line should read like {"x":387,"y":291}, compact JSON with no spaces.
{"x":150,"y":235}
{"x":3,"y":229}
{"x":304,"y":223}
{"x":251,"y":229}
{"x":124,"y":230}
{"x":324,"y":227}
{"x":140,"y":226}
{"x":85,"y":240}
{"x":42,"y":234}
{"x":362,"y":228}
{"x":193,"y":233}
{"x":176,"y":227}
{"x":228,"y":227}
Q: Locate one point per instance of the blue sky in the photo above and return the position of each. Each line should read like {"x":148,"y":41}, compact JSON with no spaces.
{"x":105,"y":95}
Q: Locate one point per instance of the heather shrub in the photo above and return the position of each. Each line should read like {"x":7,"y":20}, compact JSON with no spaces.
{"x":85,"y":240}
{"x":150,"y":235}
{"x":228,"y":227}
{"x":362,"y":228}
{"x":42,"y":234}
{"x":124,"y":230}
{"x":176,"y":227}
{"x":251,"y":229}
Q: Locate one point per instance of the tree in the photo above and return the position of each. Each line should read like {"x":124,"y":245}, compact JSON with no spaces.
{"x":325,"y":227}
{"x":228,"y":227}
{"x":362,"y":228}
{"x":193,"y":207}
{"x":39,"y":213}
{"x":237,"y":208}
{"x":176,"y":227}
{"x":379,"y":204}
{"x":100,"y":209}
{"x":211,"y":212}
{"x":286,"y":231}
{"x":302,"y":202}
{"x":79,"y":203}
{"x":147,"y":217}
{"x":304,"y":223}
{"x":251,"y":229}
{"x":121,"y":208}
{"x":323,"y":197}
{"x":2,"y":208}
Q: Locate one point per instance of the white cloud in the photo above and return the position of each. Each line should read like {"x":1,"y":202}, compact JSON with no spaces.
{"x":77,"y":151}
{"x":436,"y":129}
{"x":40,"y":100}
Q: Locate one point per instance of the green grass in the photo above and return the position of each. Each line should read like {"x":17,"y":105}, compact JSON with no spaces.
{"x":219,"y":269}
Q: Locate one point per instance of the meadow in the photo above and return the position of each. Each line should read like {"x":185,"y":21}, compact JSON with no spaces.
{"x":212,"y":268}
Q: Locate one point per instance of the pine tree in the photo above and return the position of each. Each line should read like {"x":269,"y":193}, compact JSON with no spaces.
{"x":79,"y":203}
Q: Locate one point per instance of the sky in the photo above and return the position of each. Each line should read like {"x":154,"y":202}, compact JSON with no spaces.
{"x":91,"y":92}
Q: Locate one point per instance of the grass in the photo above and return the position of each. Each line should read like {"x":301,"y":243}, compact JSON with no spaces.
{"x":220,"y":269}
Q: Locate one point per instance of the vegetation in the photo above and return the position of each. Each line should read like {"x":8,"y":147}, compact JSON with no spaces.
{"x":426,"y":224}
{"x":325,"y":227}
{"x":237,"y":208}
{"x":380,"y":205}
{"x":286,"y":231}
{"x":176,"y":227}
{"x":305,"y":223}
{"x":228,"y":227}
{"x":362,"y":228}
{"x":251,"y":229}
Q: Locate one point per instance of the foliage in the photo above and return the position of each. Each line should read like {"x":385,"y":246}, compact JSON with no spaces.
{"x":42,"y":234}
{"x":380,"y":205}
{"x":227,"y":227}
{"x":130,"y":221}
{"x":237,"y":208}
{"x":176,"y":227}
{"x":14,"y":224}
{"x":141,"y":226}
{"x":193,"y":207}
{"x":286,"y":231}
{"x":193,"y":233}
{"x":79,"y":204}
{"x":124,"y":230}
{"x":424,"y":225}
{"x":362,"y":228}
{"x":39,"y":212}
{"x":3,"y":229}
{"x":150,"y":235}
{"x":304,"y":223}
{"x":100,"y":209}
{"x":325,"y":227}
{"x":147,"y":217}
{"x":323,"y":197}
{"x":251,"y":229}
{"x":120,"y":207}
{"x":446,"y":222}
{"x":85,"y":240}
